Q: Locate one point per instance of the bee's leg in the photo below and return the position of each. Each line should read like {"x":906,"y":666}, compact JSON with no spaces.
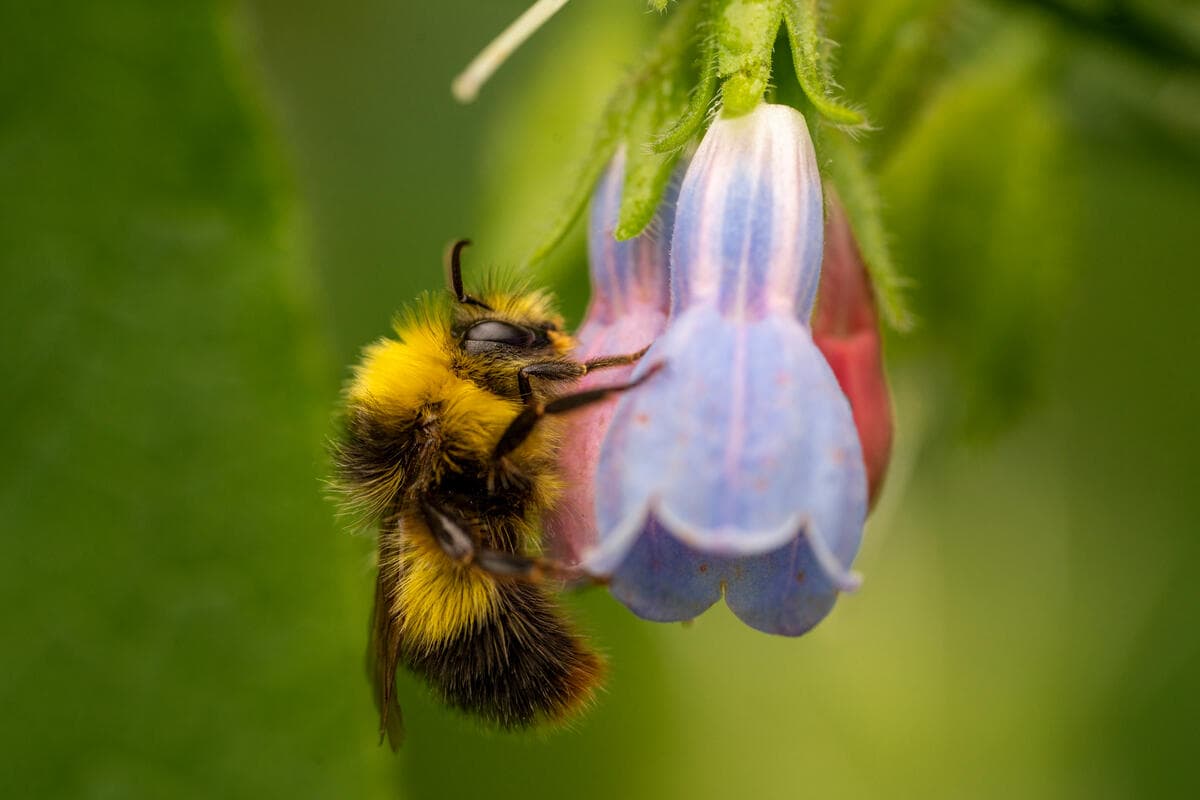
{"x":547,"y":370}
{"x":518,"y":567}
{"x":520,"y":428}
{"x":569,"y":370}
{"x":458,"y":541}
{"x":451,"y":533}
{"x":604,"y":362}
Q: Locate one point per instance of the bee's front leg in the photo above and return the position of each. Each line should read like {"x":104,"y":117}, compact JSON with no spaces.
{"x":604,"y":362}
{"x":458,"y":540}
{"x":569,"y":370}
{"x":519,"y":429}
{"x":547,"y":371}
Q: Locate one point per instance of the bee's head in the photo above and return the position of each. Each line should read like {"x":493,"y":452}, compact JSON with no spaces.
{"x":503,"y":329}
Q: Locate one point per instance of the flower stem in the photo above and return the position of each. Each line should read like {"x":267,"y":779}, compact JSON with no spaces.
{"x":466,"y":86}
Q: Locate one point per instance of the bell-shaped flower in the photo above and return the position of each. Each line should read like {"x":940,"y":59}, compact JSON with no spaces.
{"x":736,"y":469}
{"x":630,"y":299}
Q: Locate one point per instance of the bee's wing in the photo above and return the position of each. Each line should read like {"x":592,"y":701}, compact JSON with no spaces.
{"x":383,"y":653}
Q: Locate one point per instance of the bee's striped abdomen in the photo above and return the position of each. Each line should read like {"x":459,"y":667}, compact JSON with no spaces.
{"x":520,"y":665}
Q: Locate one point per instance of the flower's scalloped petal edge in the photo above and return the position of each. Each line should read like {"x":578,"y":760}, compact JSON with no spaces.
{"x":604,"y":559}
{"x":606,"y":556}
{"x":727,"y":540}
{"x":843,"y":578}
{"x":661,"y":579}
{"x":783,"y":591}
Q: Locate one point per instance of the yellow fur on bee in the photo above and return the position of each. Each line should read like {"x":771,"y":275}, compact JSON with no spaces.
{"x":531,"y":304}
{"x":397,"y":376}
{"x":437,"y":598}
{"x":474,"y":419}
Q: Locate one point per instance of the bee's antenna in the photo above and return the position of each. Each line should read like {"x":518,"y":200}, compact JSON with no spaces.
{"x":454,"y":268}
{"x":454,"y":274}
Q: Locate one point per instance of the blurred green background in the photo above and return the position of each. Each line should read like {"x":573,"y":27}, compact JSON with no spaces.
{"x":208,"y":207}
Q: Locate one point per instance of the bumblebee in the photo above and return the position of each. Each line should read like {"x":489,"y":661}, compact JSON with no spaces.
{"x":449,"y":446}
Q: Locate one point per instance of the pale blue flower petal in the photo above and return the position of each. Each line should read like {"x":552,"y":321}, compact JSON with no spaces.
{"x":749,"y":222}
{"x":740,"y":440}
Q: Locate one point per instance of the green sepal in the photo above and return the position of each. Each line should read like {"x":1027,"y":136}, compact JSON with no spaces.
{"x":745,"y":32}
{"x":843,"y":165}
{"x":652,"y":94}
{"x":662,"y":95}
{"x":699,"y":102}
{"x":658,"y":5}
{"x":801,"y":18}
{"x":646,"y":172}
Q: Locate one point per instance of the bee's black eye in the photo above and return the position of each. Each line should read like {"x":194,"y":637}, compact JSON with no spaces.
{"x":492,"y":334}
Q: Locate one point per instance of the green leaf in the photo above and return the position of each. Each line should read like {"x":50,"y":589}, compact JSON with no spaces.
{"x":801,"y":18}
{"x":650,"y":95}
{"x":647,"y":173}
{"x":178,"y":614}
